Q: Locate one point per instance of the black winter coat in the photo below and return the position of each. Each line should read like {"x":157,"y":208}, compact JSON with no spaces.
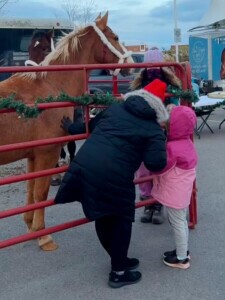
{"x":102,"y":172}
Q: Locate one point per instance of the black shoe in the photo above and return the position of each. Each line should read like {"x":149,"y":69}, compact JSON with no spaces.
{"x":56,"y":180}
{"x":174,"y":253}
{"x":174,"y":262}
{"x":147,"y":215}
{"x":132,"y":263}
{"x":129,"y":277}
{"x":157,"y":214}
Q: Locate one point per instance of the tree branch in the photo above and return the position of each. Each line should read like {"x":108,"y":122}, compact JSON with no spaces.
{"x":3,"y":3}
{"x":79,"y":13}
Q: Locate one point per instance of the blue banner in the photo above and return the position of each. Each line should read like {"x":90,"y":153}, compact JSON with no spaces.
{"x":218,"y":44}
{"x":198,"y":56}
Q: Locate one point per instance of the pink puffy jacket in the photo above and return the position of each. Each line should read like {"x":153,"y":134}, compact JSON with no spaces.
{"x":173,"y":186}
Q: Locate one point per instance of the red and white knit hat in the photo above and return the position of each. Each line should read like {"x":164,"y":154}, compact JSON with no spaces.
{"x":154,"y":94}
{"x":157,"y":88}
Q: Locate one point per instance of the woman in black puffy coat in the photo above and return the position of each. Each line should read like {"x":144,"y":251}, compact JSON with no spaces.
{"x":102,"y":172}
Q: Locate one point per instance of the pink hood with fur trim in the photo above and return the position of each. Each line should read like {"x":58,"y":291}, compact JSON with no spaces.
{"x":181,"y":150}
{"x":173,"y":185}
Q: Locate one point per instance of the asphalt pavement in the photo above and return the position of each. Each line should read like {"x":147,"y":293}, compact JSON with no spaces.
{"x":79,"y":268}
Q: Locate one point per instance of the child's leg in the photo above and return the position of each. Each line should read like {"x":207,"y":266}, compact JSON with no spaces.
{"x":145,"y":192}
{"x":178,"y":221}
{"x":179,"y":257}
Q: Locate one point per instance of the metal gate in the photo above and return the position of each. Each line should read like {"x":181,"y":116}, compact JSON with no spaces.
{"x":182,"y":71}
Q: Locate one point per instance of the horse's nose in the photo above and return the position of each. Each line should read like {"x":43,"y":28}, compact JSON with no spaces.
{"x":129,"y":60}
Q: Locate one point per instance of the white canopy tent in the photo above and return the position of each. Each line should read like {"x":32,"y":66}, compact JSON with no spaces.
{"x":211,"y":27}
{"x":214,"y":18}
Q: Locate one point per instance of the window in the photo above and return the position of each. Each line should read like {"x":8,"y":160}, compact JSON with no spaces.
{"x":142,"y":48}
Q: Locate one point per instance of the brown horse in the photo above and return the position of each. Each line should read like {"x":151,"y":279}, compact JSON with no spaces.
{"x":41,"y":45}
{"x":94,"y":44}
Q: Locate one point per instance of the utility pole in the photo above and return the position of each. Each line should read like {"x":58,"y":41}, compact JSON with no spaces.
{"x":177,"y":31}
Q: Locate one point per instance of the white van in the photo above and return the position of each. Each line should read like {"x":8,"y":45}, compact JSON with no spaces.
{"x":15,"y":37}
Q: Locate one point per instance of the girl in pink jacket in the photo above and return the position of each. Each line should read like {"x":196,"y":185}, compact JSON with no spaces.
{"x":172,"y":187}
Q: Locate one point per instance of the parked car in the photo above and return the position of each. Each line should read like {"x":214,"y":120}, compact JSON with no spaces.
{"x":101,"y":81}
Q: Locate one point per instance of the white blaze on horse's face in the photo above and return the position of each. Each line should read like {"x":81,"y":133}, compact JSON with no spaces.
{"x":123,"y":57}
{"x":36,"y":44}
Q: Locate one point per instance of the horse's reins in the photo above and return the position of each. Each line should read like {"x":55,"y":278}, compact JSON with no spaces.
{"x":106,"y":42}
{"x":33,"y":63}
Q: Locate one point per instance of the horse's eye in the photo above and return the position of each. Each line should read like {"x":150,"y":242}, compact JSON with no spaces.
{"x":116,"y":38}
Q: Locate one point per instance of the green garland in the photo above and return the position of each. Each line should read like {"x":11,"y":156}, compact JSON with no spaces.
{"x":188,"y":95}
{"x":25,"y":111}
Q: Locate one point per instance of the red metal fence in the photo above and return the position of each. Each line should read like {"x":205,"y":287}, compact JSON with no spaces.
{"x":183,"y":74}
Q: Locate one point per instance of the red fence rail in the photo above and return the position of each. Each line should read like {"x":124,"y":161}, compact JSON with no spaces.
{"x":12,"y":179}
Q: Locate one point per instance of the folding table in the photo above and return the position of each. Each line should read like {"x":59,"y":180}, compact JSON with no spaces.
{"x":203,"y":109}
{"x":218,"y":95}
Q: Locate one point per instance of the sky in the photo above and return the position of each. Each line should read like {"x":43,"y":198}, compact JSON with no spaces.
{"x":149,"y":22}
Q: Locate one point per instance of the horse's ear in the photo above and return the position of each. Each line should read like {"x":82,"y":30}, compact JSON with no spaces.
{"x":102,"y":23}
{"x":98,"y":17}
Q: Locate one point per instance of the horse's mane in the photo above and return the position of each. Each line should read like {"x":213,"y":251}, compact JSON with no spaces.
{"x":67,"y":43}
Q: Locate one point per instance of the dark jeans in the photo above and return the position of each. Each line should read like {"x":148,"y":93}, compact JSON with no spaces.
{"x":114,"y":234}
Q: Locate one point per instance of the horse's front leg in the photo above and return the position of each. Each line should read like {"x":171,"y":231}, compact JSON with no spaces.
{"x":28,"y":216}
{"x":41,"y":189}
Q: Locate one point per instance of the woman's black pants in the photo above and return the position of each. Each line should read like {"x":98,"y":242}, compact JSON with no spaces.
{"x":114,"y":234}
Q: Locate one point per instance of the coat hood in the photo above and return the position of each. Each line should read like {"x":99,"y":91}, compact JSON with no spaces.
{"x":182,"y":123}
{"x":143,"y":78}
{"x":146,"y":105}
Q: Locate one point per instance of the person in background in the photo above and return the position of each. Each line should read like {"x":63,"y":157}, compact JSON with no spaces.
{"x":153,"y":213}
{"x":173,"y":185}
{"x":195,"y":88}
{"x":102,"y":172}
{"x":222,"y":69}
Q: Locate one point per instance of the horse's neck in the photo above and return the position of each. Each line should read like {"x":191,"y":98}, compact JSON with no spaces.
{"x":73,"y":82}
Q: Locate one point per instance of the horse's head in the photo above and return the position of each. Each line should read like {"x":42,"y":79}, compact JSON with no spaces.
{"x":41,"y":44}
{"x":107,"y":48}
{"x":94,"y":44}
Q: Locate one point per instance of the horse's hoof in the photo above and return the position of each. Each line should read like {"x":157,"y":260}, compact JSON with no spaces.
{"x":49,"y":247}
{"x":46,"y":243}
